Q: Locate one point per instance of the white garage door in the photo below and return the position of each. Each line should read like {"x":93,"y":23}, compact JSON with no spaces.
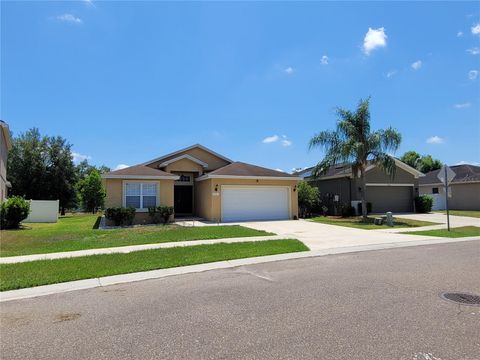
{"x":245,"y":203}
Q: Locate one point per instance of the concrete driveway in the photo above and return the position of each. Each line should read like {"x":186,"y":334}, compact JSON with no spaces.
{"x":322,"y":236}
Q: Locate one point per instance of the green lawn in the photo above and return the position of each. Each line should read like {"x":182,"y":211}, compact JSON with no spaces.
{"x":356,"y":222}
{"x":469,"y":213}
{"x":453,"y":233}
{"x":35,"y":273}
{"x":78,"y":232}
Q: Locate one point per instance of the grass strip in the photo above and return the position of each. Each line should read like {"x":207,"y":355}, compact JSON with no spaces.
{"x":77,"y":232}
{"x":468,"y":213}
{"x":43,"y":272}
{"x":464,"y":231}
{"x":357,"y":222}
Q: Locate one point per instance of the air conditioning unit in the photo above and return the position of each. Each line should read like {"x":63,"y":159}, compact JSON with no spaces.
{"x":354,"y":204}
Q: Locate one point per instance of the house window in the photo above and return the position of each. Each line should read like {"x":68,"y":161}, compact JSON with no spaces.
{"x":184,"y":178}
{"x":141,"y":195}
{"x":434,"y":190}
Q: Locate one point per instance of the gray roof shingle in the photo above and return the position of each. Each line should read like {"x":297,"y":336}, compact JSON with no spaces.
{"x":464,"y":173}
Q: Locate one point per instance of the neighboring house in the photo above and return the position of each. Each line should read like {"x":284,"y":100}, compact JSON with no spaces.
{"x":464,"y":188}
{"x":5,"y":146}
{"x":338,"y":187}
{"x":197,"y":181}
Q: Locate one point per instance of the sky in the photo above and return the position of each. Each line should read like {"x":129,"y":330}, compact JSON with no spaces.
{"x":126,"y":82}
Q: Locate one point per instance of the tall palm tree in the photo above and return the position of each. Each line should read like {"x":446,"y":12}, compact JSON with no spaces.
{"x":353,"y":142}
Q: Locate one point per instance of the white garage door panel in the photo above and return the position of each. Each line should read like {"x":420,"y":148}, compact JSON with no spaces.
{"x":255,"y":203}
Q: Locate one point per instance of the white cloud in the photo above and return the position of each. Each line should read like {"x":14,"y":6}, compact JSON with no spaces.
{"x":417,"y":65}
{"x":289,"y":70}
{"x":476,"y":29}
{"x":77,"y":157}
{"x":121,"y":166}
{"x":435,"y":140}
{"x":460,"y":34}
{"x":391,"y":73}
{"x":463,"y":162}
{"x":271,"y":139}
{"x":462,"y":105}
{"x":274,"y":138}
{"x":473,"y":74}
{"x":277,"y":169}
{"x":69,"y":18}
{"x":474,"y":50}
{"x":89,"y":3}
{"x":324,"y":60}
{"x":374,"y":38}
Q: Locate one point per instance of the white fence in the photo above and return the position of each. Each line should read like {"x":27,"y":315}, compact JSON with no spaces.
{"x":43,"y":211}
{"x":438,"y":201}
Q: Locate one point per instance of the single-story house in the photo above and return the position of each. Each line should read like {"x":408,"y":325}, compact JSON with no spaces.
{"x":338,"y":187}
{"x":5,"y":146}
{"x":199,"y":182}
{"x":464,"y":188}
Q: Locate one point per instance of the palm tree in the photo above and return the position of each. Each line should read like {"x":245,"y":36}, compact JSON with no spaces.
{"x":353,"y":142}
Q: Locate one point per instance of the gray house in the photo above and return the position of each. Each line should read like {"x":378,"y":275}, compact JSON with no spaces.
{"x":338,"y":187}
{"x":465,"y":188}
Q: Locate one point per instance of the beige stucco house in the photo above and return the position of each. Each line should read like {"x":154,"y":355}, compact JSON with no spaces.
{"x":5,"y":146}
{"x":199,"y":182}
{"x":339,"y":187}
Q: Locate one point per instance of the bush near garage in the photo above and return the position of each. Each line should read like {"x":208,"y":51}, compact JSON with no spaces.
{"x":13,"y":211}
{"x":308,"y":198}
{"x":423,"y":203}
{"x":120,"y":215}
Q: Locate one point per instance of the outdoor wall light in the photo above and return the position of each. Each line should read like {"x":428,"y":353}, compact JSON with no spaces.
{"x":295,"y":188}
{"x":216,"y":187}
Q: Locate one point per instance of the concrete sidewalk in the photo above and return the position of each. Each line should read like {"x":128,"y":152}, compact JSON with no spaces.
{"x":129,"y":249}
{"x":161,"y":273}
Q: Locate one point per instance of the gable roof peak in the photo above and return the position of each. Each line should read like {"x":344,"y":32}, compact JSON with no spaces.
{"x":199,"y":146}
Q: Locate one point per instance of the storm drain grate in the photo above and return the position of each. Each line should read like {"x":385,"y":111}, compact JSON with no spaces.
{"x":461,"y":298}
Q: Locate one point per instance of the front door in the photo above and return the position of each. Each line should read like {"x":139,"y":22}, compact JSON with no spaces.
{"x":183,"y":199}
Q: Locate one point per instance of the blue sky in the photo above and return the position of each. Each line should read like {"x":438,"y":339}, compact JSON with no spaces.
{"x":125,"y":82}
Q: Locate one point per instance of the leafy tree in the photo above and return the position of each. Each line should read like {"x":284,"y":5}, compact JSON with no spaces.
{"x":423,"y":163}
{"x":353,"y":142}
{"x":26,"y":166}
{"x":411,"y":158}
{"x":61,"y":172}
{"x":83,"y":169}
{"x":91,"y":191}
{"x":308,"y":197}
{"x":42,"y":168}
{"x":427,"y":163}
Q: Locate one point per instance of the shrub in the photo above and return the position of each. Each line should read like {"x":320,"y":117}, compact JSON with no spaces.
{"x":348,"y":211}
{"x":13,"y":211}
{"x":165,"y":212}
{"x":423,"y":203}
{"x":120,"y":215}
{"x":154,"y":214}
{"x":308,"y":197}
{"x":160,"y":212}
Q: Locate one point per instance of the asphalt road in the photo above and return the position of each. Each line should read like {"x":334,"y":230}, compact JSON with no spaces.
{"x":372,"y":305}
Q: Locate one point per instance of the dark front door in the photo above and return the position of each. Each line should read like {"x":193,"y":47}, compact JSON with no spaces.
{"x":182,"y":199}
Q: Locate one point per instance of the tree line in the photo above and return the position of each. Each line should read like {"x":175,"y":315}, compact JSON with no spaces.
{"x":42,"y":168}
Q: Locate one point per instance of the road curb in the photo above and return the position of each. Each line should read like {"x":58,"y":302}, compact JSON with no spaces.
{"x":161,"y":273}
